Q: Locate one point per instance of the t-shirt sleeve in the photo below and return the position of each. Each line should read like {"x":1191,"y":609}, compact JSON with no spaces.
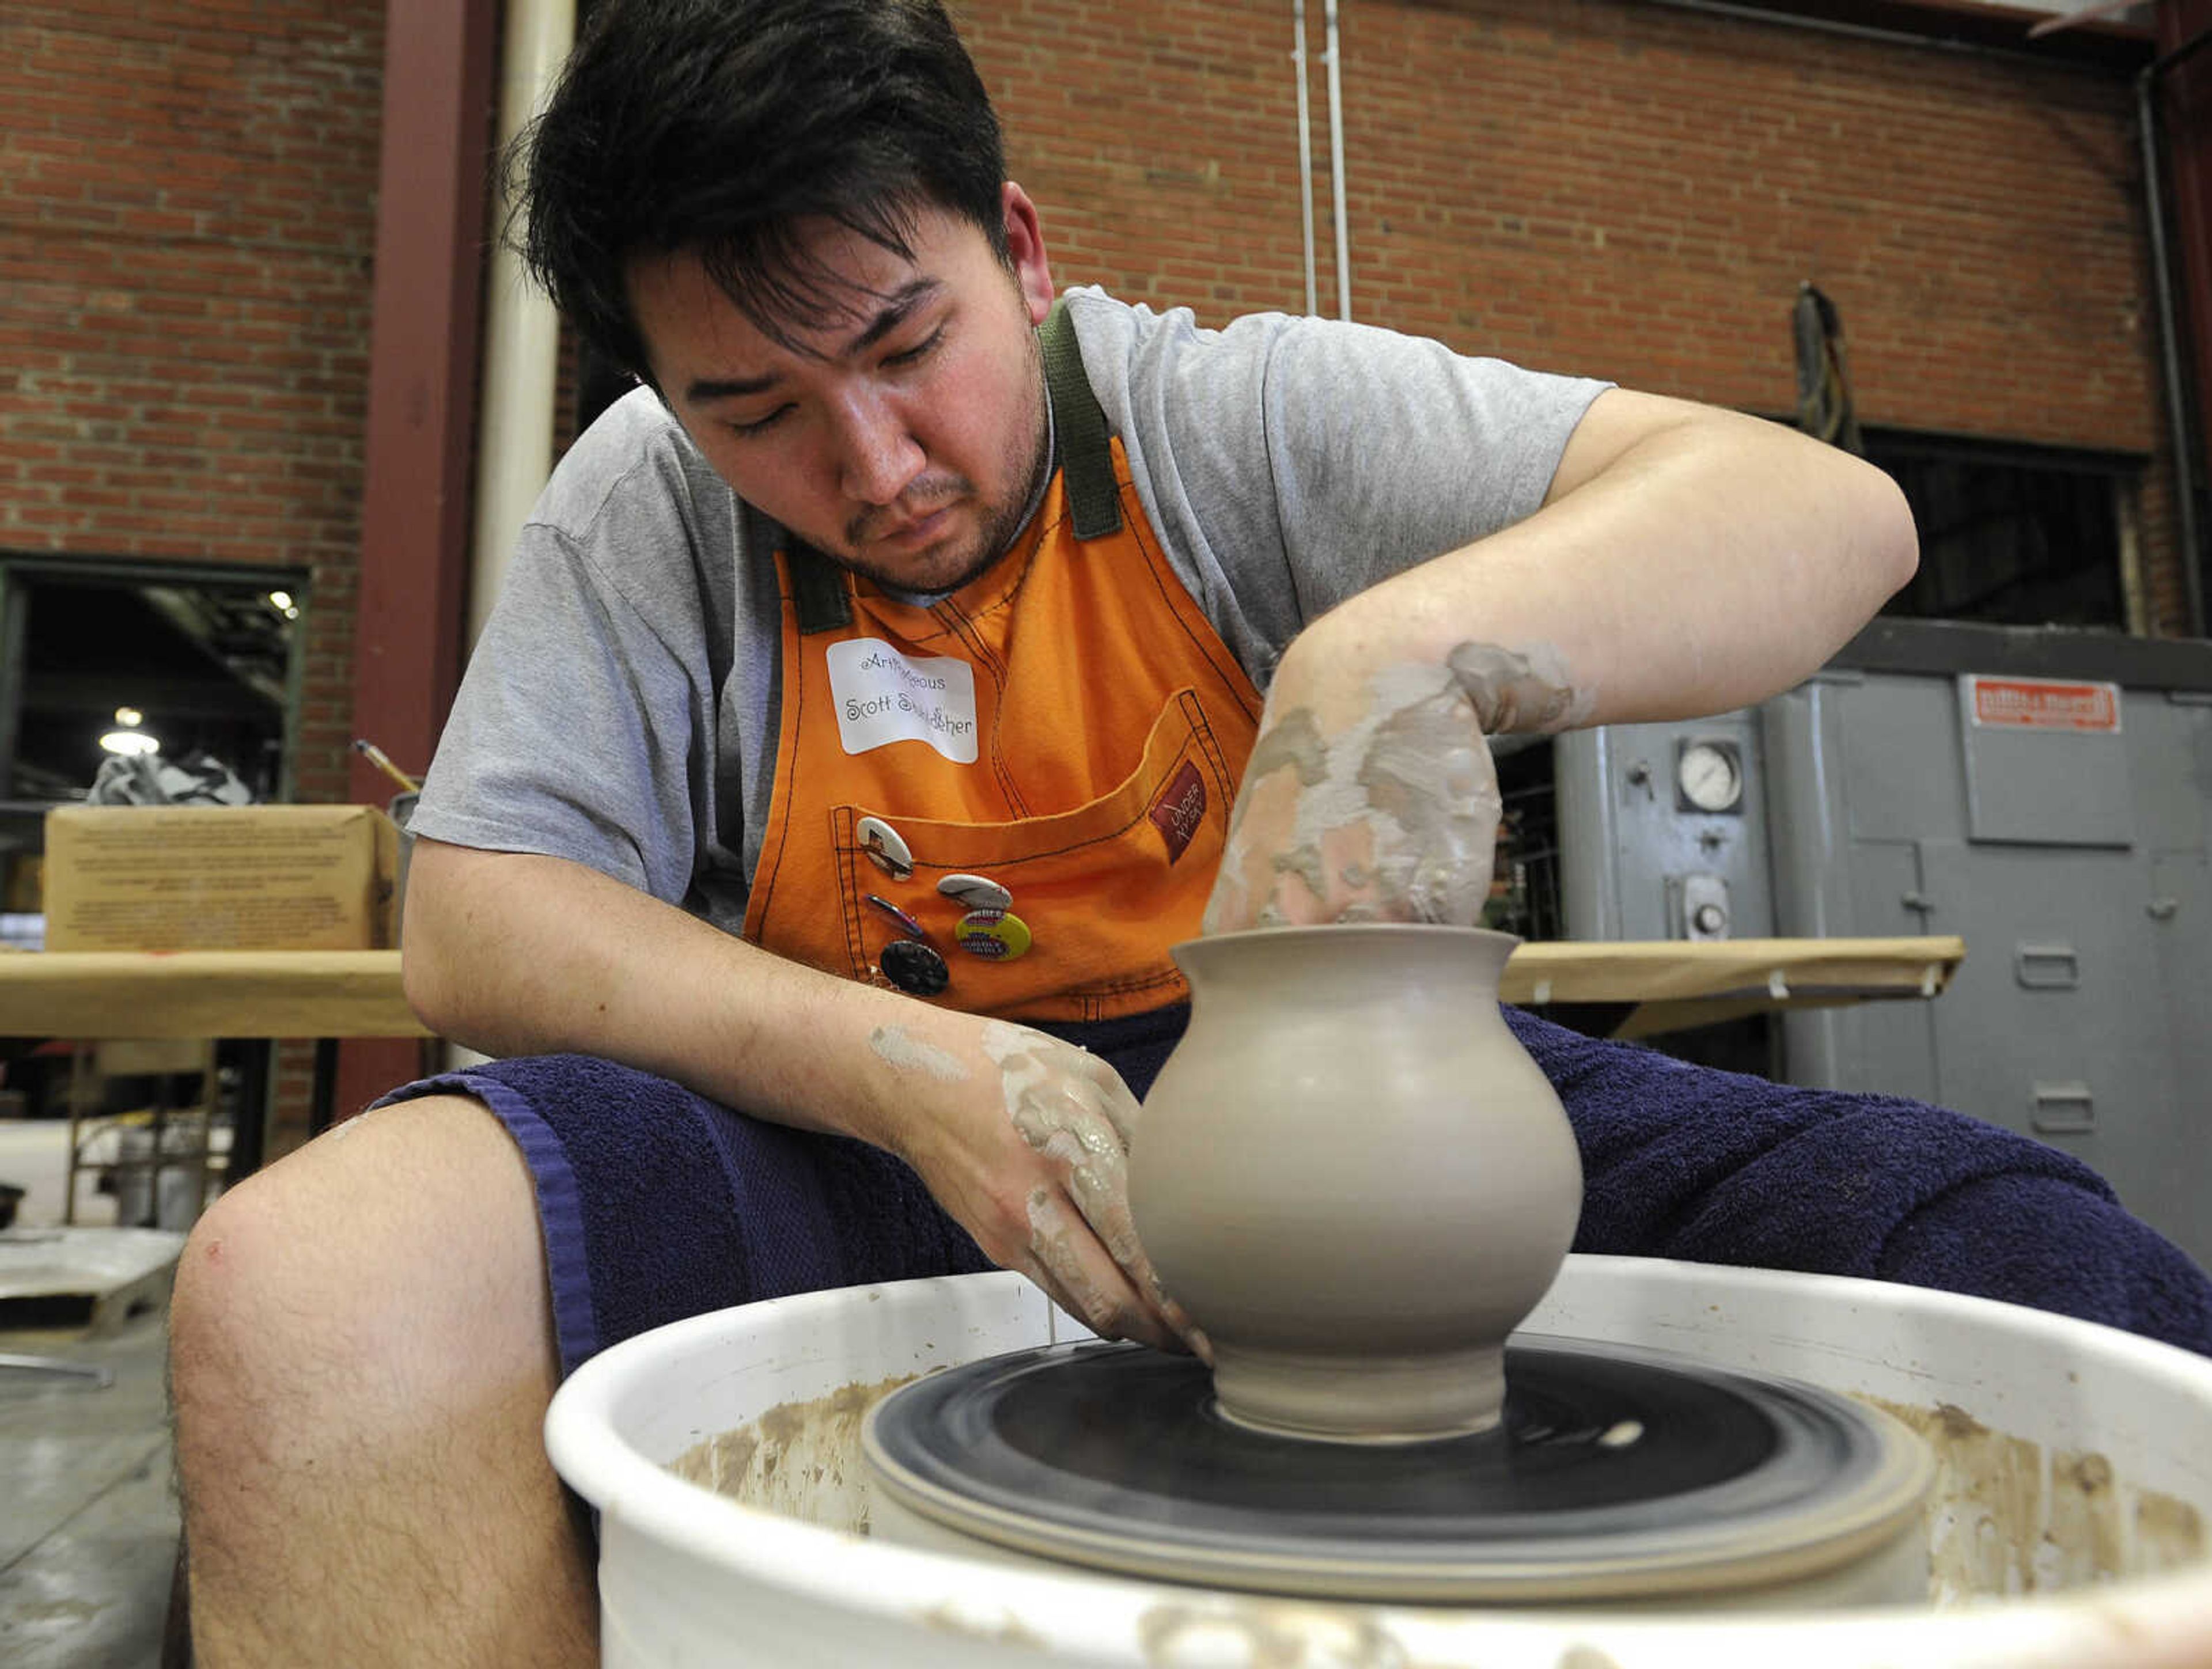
{"x":1288,"y":462}
{"x":572,"y":733}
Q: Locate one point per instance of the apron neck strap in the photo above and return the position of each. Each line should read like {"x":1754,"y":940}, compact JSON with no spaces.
{"x":817,"y":590}
{"x":1086,"y":460}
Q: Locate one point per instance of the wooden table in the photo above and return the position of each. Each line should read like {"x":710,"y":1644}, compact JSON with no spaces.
{"x":1619,"y":989}
{"x":91,"y":996}
{"x":1663,"y":984}
{"x":94,"y":994}
{"x":1667,"y":985}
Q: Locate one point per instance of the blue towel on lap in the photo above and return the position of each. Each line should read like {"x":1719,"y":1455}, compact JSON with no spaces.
{"x":658,"y":1204}
{"x":1685,"y":1161}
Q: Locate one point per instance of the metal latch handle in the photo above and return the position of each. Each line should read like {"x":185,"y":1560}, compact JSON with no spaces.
{"x":2062,"y":1109}
{"x":2046,"y":966}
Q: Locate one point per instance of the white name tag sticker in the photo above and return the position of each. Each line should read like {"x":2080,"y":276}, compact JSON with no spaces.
{"x":884,"y":696}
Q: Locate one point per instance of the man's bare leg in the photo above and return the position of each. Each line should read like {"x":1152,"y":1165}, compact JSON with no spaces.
{"x":361,"y":1351}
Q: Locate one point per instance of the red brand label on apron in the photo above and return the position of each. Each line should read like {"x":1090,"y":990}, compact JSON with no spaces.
{"x":2045,"y":704}
{"x":1180,"y":809}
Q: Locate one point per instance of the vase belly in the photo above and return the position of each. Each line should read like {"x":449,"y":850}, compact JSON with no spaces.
{"x":1354,"y":1178}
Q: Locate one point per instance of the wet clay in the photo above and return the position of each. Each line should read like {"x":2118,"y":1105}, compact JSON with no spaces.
{"x":800,"y":1459}
{"x":1394,"y":818}
{"x":1269,"y":1635}
{"x":906,"y":1053}
{"x":1402,"y":804}
{"x":1520,"y":693}
{"x":2007,"y":1516}
{"x":1005,"y":1629}
{"x":1263,"y":1635}
{"x":1072,"y":1107}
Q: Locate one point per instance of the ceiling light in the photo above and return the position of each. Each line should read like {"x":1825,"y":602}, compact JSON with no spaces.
{"x":281,"y":601}
{"x":129,"y":717}
{"x":128,"y":742}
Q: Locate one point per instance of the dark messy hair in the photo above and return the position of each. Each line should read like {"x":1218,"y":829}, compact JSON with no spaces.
{"x":716,"y":126}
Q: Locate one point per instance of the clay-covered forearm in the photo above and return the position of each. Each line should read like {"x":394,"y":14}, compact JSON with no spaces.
{"x":1370,"y":796}
{"x":1021,"y":1138}
{"x":1687,"y":560}
{"x":518,"y":953}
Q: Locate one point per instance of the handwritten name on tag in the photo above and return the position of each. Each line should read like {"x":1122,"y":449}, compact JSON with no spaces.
{"x":884,"y":696}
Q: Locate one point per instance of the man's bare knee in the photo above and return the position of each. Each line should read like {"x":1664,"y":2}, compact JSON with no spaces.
{"x":377,"y":1263}
{"x":361,"y":1353}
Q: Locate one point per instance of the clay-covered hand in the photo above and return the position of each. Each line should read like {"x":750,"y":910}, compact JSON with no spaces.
{"x":1024,"y":1140}
{"x":1371,"y":794}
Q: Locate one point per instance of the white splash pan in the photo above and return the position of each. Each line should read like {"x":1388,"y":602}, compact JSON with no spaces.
{"x":689,"y":1576}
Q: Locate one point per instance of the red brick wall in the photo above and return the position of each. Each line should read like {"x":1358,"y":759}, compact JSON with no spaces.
{"x":186,"y":215}
{"x":1613,"y":187}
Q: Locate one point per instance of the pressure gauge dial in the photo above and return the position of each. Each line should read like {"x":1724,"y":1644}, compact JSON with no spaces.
{"x":1709,"y":776}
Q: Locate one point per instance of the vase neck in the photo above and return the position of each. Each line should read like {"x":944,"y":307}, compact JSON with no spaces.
{"x":1346,"y":962}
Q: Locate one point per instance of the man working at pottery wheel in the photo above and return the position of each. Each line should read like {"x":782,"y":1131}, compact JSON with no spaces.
{"x":860,"y":728}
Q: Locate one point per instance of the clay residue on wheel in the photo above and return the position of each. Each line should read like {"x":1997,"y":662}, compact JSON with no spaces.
{"x":800,"y":1459}
{"x":2007,"y":1516}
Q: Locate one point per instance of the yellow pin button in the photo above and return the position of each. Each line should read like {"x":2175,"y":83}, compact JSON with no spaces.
{"x":993,"y":935}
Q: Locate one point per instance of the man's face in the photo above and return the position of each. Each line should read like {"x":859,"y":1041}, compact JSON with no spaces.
{"x":906,"y":438}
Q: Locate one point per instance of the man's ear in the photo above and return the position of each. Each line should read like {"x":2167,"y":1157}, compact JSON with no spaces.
{"x":1026,"y":250}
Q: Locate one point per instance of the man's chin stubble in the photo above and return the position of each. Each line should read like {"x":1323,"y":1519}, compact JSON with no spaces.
{"x":910,"y":579}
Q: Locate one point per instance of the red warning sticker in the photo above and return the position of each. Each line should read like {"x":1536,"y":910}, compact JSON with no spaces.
{"x":2044,"y":704}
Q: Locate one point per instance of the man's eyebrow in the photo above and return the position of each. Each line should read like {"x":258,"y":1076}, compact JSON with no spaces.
{"x":897,"y":307}
{"x":702,"y":389}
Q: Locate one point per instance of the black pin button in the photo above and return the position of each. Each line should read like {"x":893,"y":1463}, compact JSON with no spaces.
{"x":914,"y":967}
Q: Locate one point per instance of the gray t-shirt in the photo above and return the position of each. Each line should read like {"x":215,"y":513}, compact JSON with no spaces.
{"x":620,"y":707}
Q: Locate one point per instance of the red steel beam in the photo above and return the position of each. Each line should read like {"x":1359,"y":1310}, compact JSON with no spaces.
{"x":2186,"y":120}
{"x":441,"y":63}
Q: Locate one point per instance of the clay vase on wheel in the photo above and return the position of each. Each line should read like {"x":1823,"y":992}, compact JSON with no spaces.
{"x":1354,"y":1177}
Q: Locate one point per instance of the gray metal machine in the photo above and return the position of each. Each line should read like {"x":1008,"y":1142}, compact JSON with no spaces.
{"x":2046,"y":795}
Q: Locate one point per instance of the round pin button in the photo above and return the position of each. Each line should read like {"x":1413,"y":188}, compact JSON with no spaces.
{"x":914,"y":967}
{"x":993,"y":935}
{"x":976,"y":892}
{"x":906,"y":923}
{"x":885,"y":848}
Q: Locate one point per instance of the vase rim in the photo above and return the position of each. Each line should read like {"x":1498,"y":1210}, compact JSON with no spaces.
{"x":1339,"y":931}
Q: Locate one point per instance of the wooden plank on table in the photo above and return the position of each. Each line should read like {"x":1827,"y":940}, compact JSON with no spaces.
{"x":203,"y":993}
{"x":1762,"y":973}
{"x":357,"y":993}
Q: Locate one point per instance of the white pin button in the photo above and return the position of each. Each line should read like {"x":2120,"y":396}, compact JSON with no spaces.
{"x":977,"y":892}
{"x":885,"y":848}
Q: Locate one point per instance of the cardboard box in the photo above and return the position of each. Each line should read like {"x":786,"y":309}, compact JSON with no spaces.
{"x":22,"y":892}
{"x":220,"y":877}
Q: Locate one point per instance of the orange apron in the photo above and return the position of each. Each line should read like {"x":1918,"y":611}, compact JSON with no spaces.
{"x":1090,"y":773}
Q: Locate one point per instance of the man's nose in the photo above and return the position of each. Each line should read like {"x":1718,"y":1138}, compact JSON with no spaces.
{"x":877,"y":452}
